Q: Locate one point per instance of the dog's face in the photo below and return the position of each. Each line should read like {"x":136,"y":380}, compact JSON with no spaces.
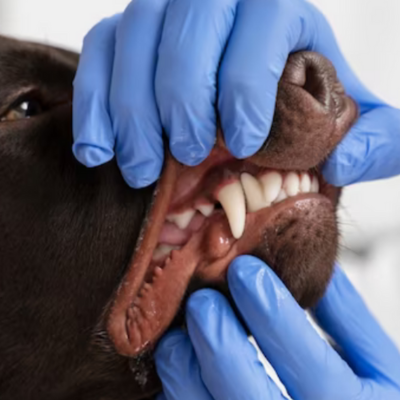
{"x":79,"y":315}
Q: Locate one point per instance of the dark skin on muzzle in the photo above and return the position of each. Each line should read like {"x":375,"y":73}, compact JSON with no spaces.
{"x":69,"y":236}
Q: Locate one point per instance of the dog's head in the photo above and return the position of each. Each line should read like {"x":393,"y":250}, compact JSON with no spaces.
{"x":79,"y":314}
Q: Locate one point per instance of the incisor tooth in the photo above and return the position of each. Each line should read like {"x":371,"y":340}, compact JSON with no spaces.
{"x":271,"y":183}
{"x":232,"y":200}
{"x":205,"y":209}
{"x":305,"y":183}
{"x":253,"y":191}
{"x":292,"y":184}
{"x":281,"y":196}
{"x":314,"y":185}
{"x":182,"y":220}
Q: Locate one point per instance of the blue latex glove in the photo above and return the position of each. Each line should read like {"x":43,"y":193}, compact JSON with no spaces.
{"x":155,"y":67}
{"x":215,"y":360}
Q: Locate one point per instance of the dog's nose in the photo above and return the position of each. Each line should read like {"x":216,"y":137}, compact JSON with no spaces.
{"x":312,"y":115}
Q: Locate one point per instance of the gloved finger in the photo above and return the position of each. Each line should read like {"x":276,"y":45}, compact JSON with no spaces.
{"x":307,"y":366}
{"x":92,"y":130}
{"x":264,"y":34}
{"x":134,"y":113}
{"x":365,"y":346}
{"x":229,"y":364}
{"x":193,"y":40}
{"x":369,"y":151}
{"x":178,"y":368}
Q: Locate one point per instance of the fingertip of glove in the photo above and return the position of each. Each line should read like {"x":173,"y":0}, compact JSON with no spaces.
{"x":240,"y":150}
{"x":190,"y":155}
{"x":344,"y":166}
{"x":142,"y":175}
{"x":333,"y":175}
{"x":169,"y":342}
{"x":254,"y":287}
{"x":202,"y":300}
{"x":243,"y":269}
{"x":91,"y":156}
{"x":138,"y":182}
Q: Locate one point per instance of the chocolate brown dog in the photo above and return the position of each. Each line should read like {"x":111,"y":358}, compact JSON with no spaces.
{"x":68,"y":281}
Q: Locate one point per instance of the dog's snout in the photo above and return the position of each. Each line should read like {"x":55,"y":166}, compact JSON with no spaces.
{"x":312,"y":115}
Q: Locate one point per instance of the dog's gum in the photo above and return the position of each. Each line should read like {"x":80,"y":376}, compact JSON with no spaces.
{"x":148,"y":317}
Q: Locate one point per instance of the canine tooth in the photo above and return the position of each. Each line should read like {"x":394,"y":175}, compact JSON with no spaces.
{"x":163,"y":250}
{"x":271,"y":183}
{"x":253,"y":191}
{"x":292,"y":184}
{"x":281,"y":196}
{"x":233,"y":202}
{"x":314,"y":185}
{"x":182,"y":220}
{"x":206,"y":209}
{"x":305,"y":183}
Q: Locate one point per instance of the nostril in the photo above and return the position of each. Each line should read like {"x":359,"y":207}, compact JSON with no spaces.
{"x":312,"y":114}
{"x":316,"y":84}
{"x":315,"y":75}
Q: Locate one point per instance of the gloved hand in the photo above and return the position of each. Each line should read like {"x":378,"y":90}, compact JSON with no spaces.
{"x":215,"y":360}
{"x":155,"y":68}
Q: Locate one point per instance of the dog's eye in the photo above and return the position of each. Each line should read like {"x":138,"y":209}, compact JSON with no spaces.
{"x":24,"y":109}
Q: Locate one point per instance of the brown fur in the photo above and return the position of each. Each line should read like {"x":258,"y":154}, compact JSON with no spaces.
{"x":67,"y":233}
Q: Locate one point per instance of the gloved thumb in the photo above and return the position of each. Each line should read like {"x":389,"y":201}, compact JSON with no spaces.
{"x":370,"y":150}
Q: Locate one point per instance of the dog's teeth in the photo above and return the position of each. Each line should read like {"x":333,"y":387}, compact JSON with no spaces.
{"x":233,"y":202}
{"x":206,"y":209}
{"x":291,"y":184}
{"x":271,"y":183}
{"x":314,"y":185}
{"x":305,"y":183}
{"x":182,"y":220}
{"x":254,"y":193}
{"x":281,"y":196}
{"x":163,"y":250}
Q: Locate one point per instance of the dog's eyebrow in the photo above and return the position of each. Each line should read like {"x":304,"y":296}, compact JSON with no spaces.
{"x":30,"y":68}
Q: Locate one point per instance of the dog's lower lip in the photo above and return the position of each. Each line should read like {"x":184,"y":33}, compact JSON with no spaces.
{"x":141,"y":324}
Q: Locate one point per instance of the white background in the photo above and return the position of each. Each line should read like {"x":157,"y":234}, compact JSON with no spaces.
{"x":369,"y":34}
